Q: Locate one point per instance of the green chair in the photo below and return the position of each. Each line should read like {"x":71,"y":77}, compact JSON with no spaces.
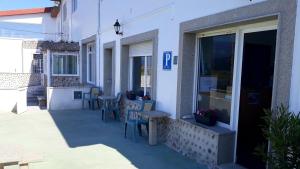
{"x":148,"y":105}
{"x":113,"y":107}
{"x":92,"y":97}
{"x":135,"y":121}
{"x":116,"y":106}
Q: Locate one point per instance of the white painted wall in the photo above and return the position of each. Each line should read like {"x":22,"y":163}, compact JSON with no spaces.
{"x":8,"y":100}
{"x":295,"y":83}
{"x":73,"y":28}
{"x":31,"y":26}
{"x":11,"y":55}
{"x":138,"y":16}
{"x":14,"y":30}
{"x":62,"y":98}
{"x":13,"y":100}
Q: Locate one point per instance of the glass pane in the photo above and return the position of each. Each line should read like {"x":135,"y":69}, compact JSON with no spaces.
{"x":148,"y":75}
{"x":64,"y":64}
{"x":57,"y":60}
{"x":216,"y":57}
{"x":138,"y":78}
{"x":71,"y":64}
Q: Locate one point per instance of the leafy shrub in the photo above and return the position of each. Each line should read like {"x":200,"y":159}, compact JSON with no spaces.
{"x":282,"y":129}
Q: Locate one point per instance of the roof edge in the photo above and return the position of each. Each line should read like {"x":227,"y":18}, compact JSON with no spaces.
{"x":26,"y":11}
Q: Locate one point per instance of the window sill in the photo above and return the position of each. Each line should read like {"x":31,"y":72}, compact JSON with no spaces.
{"x":91,"y":83}
{"x":64,"y":75}
{"x":216,"y":129}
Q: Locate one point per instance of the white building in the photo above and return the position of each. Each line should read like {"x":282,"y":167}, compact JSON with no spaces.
{"x":235,"y":58}
{"x":21,"y":62}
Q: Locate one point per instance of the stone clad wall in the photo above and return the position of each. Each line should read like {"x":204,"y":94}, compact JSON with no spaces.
{"x":65,"y":81}
{"x":17,"y":80}
{"x":192,"y":141}
{"x":206,"y":145}
{"x":212,"y":146}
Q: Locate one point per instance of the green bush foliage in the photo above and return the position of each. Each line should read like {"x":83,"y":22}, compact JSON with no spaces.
{"x":282,"y":129}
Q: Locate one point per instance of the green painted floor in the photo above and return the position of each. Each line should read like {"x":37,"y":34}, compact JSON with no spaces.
{"x":80,"y":140}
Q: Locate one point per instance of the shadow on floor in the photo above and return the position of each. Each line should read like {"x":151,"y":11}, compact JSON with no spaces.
{"x":84,"y":128}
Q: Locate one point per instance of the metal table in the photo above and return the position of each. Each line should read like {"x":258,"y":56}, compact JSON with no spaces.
{"x":106,"y":100}
{"x":153,"y":117}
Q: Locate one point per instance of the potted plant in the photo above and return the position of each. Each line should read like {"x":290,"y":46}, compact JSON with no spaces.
{"x":206,"y":116}
{"x":131,"y":95}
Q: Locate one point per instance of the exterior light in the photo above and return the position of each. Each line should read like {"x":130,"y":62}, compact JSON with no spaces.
{"x":117,"y":27}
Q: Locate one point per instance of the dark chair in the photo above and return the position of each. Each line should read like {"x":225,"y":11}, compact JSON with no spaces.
{"x":113,"y":107}
{"x":116,"y":106}
{"x":92,"y":97}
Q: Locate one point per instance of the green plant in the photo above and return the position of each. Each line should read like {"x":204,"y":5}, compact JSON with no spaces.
{"x":282,"y":129}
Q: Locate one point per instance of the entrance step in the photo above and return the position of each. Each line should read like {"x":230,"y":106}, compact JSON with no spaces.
{"x":231,"y":166}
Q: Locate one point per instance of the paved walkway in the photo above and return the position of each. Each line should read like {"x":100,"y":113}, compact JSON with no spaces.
{"x":80,"y":140}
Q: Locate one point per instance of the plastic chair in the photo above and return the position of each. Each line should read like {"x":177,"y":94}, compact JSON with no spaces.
{"x":116,"y":106}
{"x":113,"y":107}
{"x":148,"y":105}
{"x":135,"y":121}
{"x":91,"y":97}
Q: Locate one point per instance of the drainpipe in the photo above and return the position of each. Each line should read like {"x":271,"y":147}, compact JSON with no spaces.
{"x":71,"y":22}
{"x":48,"y":58}
{"x":48,"y":54}
{"x":99,"y":40}
{"x":61,"y":22}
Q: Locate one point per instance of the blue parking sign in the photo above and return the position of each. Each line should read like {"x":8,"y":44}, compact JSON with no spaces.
{"x":167,"y":60}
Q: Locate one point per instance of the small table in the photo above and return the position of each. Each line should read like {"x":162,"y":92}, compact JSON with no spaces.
{"x":106,"y":100}
{"x":153,"y":116}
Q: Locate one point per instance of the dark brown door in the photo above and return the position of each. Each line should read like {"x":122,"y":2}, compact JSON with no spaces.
{"x":255,"y":94}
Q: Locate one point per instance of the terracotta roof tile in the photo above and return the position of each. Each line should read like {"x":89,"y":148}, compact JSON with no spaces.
{"x":25,"y":11}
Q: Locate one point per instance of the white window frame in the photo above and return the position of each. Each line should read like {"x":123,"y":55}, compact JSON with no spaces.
{"x":64,"y":54}
{"x":93,"y":44}
{"x":145,"y":72}
{"x":239,"y":32}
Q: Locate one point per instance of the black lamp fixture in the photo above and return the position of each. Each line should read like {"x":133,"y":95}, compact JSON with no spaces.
{"x":117,"y":27}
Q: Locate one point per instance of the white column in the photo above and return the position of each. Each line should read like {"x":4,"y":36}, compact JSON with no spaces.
{"x":295,"y":79}
{"x":48,"y":68}
{"x":98,"y":62}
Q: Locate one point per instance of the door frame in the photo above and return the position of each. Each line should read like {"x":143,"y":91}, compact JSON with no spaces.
{"x":110,"y":46}
{"x":239,"y":32}
{"x":238,"y":75}
{"x":93,"y":53}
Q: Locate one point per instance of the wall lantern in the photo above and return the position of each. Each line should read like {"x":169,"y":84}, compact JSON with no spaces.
{"x":117,"y":27}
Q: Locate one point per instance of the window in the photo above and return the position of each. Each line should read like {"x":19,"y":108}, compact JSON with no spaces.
{"x":215,"y":75}
{"x":37,"y":63}
{"x":91,"y":63}
{"x":64,"y":64}
{"x":141,"y":74}
{"x":74,"y":5}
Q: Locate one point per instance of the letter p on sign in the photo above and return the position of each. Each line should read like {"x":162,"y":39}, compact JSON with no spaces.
{"x":167,"y":60}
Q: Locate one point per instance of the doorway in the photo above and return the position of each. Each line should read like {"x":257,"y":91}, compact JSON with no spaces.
{"x":255,"y":94}
{"x":108,"y":72}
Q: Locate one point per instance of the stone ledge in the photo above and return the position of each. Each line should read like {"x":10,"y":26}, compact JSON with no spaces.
{"x":215,"y":129}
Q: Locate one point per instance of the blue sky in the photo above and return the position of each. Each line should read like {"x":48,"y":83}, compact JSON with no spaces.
{"x":23,"y":4}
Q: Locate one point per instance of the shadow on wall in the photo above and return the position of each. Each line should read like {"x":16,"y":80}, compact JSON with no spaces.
{"x":85,"y":128}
